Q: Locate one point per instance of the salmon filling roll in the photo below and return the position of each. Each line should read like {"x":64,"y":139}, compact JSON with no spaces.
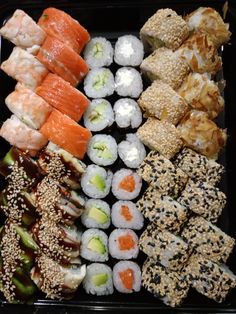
{"x":20,"y":135}
{"x":62,"y":26}
{"x":62,"y":60}
{"x":62,"y":96}
{"x":66,"y":133}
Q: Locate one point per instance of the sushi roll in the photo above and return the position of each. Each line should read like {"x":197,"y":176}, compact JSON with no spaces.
{"x":162,"y":210}
{"x":164,"y":247}
{"x":62,"y":96}
{"x":99,"y":115}
{"x":169,"y":286}
{"x":102,"y":150}
{"x":198,"y":167}
{"x":99,"y":83}
{"x":161,"y":101}
{"x":203,"y":94}
{"x":22,"y":30}
{"x":201,"y":134}
{"x":200,"y":54}
{"x":209,"y":278}
{"x":98,"y":279}
{"x":62,"y":26}
{"x":210,"y":22}
{"x":167,"y":66}
{"x":161,"y":174}
{"x":28,"y":107}
{"x":98,"y":53}
{"x":124,"y":214}
{"x":94,"y":245}
{"x":207,"y":239}
{"x":127,"y":277}
{"x":66,"y":133}
{"x":127,"y":113}
{"x":160,"y":136}
{"x":123,"y":244}
{"x":203,"y":199}
{"x":126,"y":184}
{"x":55,"y":280}
{"x":20,"y":135}
{"x":129,"y":51}
{"x":25,"y":68}
{"x":96,"y":181}
{"x":128,"y":82}
{"x":97,"y":214}
{"x":62,"y":60}
{"x":131,"y":151}
{"x":164,"y":29}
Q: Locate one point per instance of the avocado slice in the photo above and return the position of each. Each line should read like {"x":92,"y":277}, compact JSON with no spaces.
{"x":98,"y":215}
{"x":98,"y":181}
{"x":100,"y":279}
{"x":97,"y":112}
{"x":97,"y":50}
{"x":25,"y":290}
{"x":26,"y":261}
{"x":102,"y":150}
{"x":95,"y":244}
{"x":26,"y":238}
{"x":100,"y":80}
{"x":8,"y":158}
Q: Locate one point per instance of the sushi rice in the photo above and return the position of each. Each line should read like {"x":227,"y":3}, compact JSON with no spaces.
{"x":127,"y":113}
{"x":128,"y":82}
{"x":127,"y":277}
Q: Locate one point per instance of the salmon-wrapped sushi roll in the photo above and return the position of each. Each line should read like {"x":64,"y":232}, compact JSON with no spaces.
{"x":203,"y":94}
{"x":28,"y":107}
{"x":62,"y":26}
{"x":20,"y":135}
{"x":201,"y":134}
{"x":62,"y":96}
{"x":164,"y":29}
{"x":200,"y":53}
{"x":25,"y":68}
{"x":66,"y":133}
{"x":22,"y":30}
{"x":167,"y":66}
{"x":209,"y":21}
{"x":62,"y":60}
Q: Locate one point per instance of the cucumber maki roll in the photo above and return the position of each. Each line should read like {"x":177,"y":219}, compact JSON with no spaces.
{"x":99,"y":115}
{"x":98,"y":52}
{"x":127,"y":113}
{"x":127,"y":277}
{"x":102,"y":150}
{"x":128,"y":82}
{"x":96,"y":214}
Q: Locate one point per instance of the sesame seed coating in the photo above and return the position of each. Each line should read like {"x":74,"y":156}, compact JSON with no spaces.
{"x":208,"y":239}
{"x":160,"y":136}
{"x":164,"y":28}
{"x":168,"y":285}
{"x":161,"y":101}
{"x":167,"y":66}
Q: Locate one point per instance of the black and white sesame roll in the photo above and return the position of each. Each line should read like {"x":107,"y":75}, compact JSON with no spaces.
{"x":169,"y":286}
{"x":164,"y":247}
{"x":207,"y":239}
{"x":203,"y":199}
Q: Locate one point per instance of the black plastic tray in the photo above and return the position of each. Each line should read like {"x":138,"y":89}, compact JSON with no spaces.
{"x":112,"y":19}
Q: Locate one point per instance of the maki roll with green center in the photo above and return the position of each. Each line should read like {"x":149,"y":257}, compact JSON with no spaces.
{"x":94,"y":245}
{"x":96,"y":214}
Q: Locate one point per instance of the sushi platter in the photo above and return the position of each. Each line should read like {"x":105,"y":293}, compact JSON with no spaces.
{"x":117,"y":163}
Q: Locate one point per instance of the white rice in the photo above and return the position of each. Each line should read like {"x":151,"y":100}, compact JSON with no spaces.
{"x":89,"y":254}
{"x":122,"y":266}
{"x":128,"y":82}
{"x":127,"y":113}
{"x":90,"y":222}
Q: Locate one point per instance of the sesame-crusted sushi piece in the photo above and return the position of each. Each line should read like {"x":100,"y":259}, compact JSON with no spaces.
{"x":160,"y":136}
{"x":24,"y":68}
{"x":200,"y":53}
{"x":203,"y":94}
{"x":169,"y":286}
{"x":202,"y":134}
{"x":160,"y":173}
{"x":164,"y":29}
{"x":55,"y":280}
{"x":127,"y":277}
{"x":164,"y":247}
{"x":207,"y":239}
{"x":203,"y":199}
{"x":128,"y":82}
{"x":199,"y":167}
{"x":167,"y":66}
{"x":162,"y":210}
{"x":94,"y":246}
{"x":209,"y":278}
{"x":22,"y":30}
{"x":161,"y":101}
{"x":127,"y":113}
{"x":210,"y":22}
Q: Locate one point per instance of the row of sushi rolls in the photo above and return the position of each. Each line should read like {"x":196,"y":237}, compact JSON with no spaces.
{"x":80,"y":203}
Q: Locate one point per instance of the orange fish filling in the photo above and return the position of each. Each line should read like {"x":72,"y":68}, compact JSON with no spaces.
{"x":127,"y":184}
{"x":125,"y":212}
{"x":126,"y":242}
{"x":127,"y":278}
